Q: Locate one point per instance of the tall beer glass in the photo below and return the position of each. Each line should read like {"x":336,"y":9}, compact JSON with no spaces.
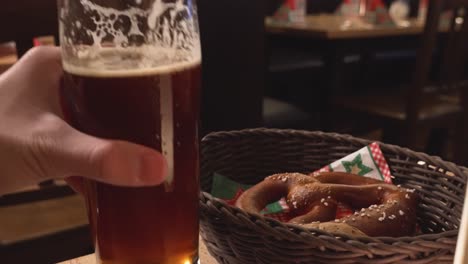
{"x":132,"y":72}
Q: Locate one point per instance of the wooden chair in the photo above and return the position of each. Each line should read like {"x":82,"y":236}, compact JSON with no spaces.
{"x":403,"y":114}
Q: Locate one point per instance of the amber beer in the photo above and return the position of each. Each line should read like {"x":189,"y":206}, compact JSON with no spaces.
{"x":156,"y":107}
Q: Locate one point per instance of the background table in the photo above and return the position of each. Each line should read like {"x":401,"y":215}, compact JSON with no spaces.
{"x":335,"y":37}
{"x":340,"y":27}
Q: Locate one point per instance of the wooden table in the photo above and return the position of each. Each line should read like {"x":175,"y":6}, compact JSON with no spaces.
{"x":29,"y":230}
{"x":336,"y":37}
{"x":33,"y":220}
{"x":205,"y":257}
{"x":46,"y":230}
{"x":339,"y":27}
{"x":51,"y":229}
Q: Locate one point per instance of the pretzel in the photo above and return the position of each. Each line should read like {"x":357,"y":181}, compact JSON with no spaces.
{"x":381,"y":209}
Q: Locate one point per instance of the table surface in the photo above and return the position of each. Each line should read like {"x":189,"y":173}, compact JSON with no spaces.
{"x":205,"y":257}
{"x":33,"y":220}
{"x":340,"y":27}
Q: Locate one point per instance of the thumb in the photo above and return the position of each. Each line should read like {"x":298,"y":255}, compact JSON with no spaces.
{"x":110,"y":161}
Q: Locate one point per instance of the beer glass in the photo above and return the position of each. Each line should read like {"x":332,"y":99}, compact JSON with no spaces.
{"x":132,"y":72}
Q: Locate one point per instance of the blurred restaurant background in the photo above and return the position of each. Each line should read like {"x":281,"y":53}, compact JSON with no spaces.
{"x":377,"y":69}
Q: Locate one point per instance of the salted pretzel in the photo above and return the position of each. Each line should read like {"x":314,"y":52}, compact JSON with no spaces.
{"x":380,"y":209}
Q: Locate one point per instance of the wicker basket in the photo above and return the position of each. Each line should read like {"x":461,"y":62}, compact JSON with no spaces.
{"x":233,"y":236}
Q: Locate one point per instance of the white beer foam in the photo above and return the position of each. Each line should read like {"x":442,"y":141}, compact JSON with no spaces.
{"x":115,"y":64}
{"x":105,"y":20}
{"x":171,"y":39}
{"x":166,"y":21}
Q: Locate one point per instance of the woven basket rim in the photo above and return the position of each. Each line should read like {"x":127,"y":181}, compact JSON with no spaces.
{"x":438,"y":161}
{"x":317,"y":232}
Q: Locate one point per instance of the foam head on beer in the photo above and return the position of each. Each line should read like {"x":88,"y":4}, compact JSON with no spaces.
{"x":132,"y":72}
{"x":140,"y":38}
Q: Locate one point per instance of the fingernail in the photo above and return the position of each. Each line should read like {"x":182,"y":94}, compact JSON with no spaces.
{"x":153,"y":169}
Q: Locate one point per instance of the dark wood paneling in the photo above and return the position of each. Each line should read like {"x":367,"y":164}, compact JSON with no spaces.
{"x":22,"y":20}
{"x":232,"y":34}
